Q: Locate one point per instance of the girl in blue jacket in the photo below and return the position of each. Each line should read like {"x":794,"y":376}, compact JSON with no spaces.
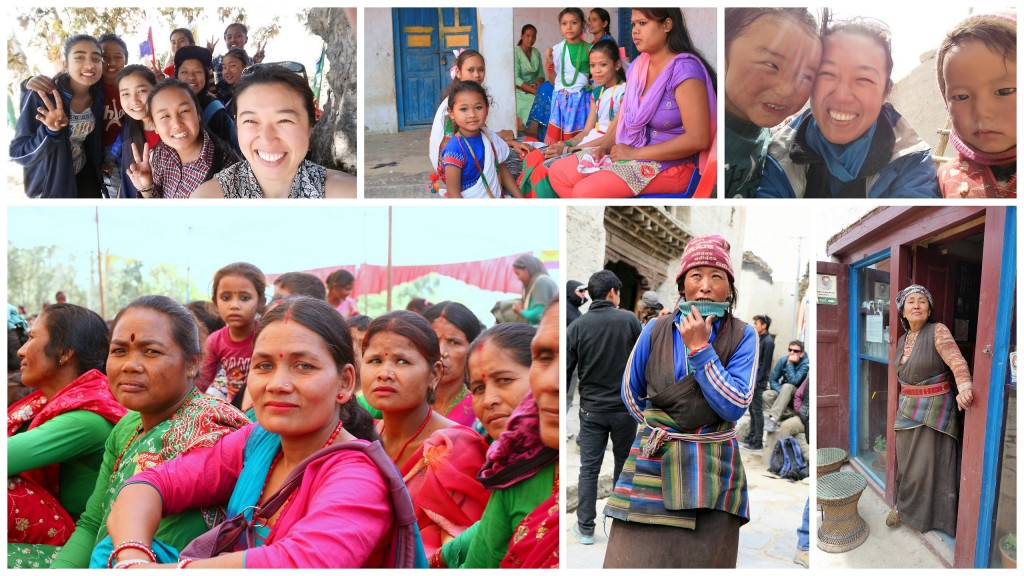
{"x":58,"y":138}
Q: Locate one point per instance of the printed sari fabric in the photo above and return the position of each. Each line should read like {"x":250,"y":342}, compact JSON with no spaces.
{"x":441,"y":478}
{"x":534,"y":543}
{"x":199,"y":422}
{"x":34,"y":512}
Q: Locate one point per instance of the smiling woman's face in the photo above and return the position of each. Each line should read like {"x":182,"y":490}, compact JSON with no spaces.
{"x":850,"y":87}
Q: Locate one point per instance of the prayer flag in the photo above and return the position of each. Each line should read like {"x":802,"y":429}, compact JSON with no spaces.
{"x":318,"y":76}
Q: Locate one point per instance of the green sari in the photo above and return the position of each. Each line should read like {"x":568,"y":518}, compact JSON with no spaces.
{"x":198,"y":423}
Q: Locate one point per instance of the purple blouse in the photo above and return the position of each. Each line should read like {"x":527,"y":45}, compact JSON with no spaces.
{"x":667,"y":122}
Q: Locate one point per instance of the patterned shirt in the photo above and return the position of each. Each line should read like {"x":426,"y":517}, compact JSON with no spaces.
{"x":171,"y":178}
{"x":238,"y":181}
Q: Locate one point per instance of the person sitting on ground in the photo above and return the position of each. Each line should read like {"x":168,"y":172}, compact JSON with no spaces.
{"x":788,"y":373}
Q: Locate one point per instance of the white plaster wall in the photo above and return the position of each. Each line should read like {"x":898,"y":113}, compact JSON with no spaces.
{"x":496,"y":41}
{"x":380,"y":111}
{"x":586,"y":239}
{"x":916,"y":97}
{"x":702,"y":24}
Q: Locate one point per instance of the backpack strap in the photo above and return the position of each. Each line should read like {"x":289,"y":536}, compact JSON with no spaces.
{"x":212,"y":108}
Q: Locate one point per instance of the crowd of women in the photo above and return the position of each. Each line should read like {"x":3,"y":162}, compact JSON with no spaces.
{"x":102,"y":128}
{"x":609,"y":132}
{"x":406,"y":440}
{"x":852,"y":142}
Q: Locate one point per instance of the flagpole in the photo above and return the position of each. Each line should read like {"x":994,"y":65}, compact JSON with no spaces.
{"x":152,"y":48}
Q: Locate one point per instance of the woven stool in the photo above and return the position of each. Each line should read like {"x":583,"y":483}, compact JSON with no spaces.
{"x":842,"y":529}
{"x":830,"y":460}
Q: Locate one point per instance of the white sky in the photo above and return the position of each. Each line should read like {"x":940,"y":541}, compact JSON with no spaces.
{"x":780,"y":235}
{"x":285,"y":238}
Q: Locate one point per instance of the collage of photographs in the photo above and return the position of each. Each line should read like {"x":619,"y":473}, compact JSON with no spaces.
{"x":766,"y":244}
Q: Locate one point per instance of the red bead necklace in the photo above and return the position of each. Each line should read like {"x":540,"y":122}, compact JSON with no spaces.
{"x":277,"y":459}
{"x":411,"y":438}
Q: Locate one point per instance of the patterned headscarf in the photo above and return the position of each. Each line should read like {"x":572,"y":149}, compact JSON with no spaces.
{"x":901,"y":297}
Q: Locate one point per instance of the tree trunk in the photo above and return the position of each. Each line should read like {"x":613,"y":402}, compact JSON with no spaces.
{"x":334,"y":137}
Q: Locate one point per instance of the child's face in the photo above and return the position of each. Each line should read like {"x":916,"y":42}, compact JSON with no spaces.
{"x":113,"y":60}
{"x":134,"y":90}
{"x":176,"y":119}
{"x":469,"y":112}
{"x":232,"y":69}
{"x":234,"y":37}
{"x":237,"y":302}
{"x":178,"y":40}
{"x":191,"y":72}
{"x":602,"y":68}
{"x":770,"y":70}
{"x":571,"y":26}
{"x":981,"y":95}
{"x":472,"y":70}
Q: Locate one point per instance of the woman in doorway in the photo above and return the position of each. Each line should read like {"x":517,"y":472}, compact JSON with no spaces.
{"x":689,"y":379}
{"x":927,"y":425}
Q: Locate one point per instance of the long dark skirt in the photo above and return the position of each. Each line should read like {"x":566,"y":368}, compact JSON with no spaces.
{"x":928,"y":479}
{"x":713,"y":544}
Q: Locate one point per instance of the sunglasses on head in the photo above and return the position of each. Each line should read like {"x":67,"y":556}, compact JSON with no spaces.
{"x":795,"y":351}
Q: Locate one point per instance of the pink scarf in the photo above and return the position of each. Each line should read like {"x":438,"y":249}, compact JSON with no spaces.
{"x":518,"y":453}
{"x":632,"y":128}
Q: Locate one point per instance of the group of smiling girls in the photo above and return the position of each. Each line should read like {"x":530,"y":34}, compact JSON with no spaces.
{"x":176,"y":137}
{"x":778,"y":58}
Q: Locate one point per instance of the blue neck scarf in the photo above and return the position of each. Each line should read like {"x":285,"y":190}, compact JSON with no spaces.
{"x":844,"y":161}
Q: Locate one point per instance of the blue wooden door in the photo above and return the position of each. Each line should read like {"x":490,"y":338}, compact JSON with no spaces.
{"x":424,"y":41}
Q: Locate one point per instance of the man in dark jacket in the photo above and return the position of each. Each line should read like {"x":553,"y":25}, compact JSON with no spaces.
{"x":576,"y":296}
{"x":766,"y":349}
{"x":599,"y":344}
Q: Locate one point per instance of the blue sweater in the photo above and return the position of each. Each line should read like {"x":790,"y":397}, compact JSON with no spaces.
{"x":46,"y":156}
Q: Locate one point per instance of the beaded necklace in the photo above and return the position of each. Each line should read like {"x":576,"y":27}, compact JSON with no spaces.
{"x":480,"y":169}
{"x":277,"y":458}
{"x":463,"y":391}
{"x":576,"y":65}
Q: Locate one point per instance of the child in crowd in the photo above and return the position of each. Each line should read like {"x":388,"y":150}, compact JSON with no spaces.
{"x":977,"y":73}
{"x":134,"y":83}
{"x":187,"y":154}
{"x":115,"y":56}
{"x":567,"y":67}
{"x":59,"y":135}
{"x":771,"y":58}
{"x":605,"y":101}
{"x":474,"y":158}
{"x":239,"y":293}
{"x":233,"y":63}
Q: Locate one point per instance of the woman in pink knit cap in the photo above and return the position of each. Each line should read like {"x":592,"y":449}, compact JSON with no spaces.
{"x":689,"y":379}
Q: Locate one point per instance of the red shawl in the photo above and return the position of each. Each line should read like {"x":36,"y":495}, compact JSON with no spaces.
{"x":534,"y":543}
{"x":441,"y":478}
{"x":89,"y":392}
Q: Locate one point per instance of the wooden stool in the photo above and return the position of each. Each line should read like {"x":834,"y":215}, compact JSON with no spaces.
{"x":842,"y":529}
{"x":830,"y":460}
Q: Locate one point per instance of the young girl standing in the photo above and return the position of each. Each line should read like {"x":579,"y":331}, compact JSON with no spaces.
{"x":977,"y":71}
{"x":567,"y":68}
{"x":771,"y":58}
{"x":59,"y":136}
{"x":134,"y":83}
{"x":239,"y":292}
{"x":474,"y":158}
{"x":187,"y":154}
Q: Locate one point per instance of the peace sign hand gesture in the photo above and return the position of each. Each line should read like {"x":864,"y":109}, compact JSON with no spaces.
{"x":259,"y":55}
{"x":140,"y":172}
{"x":51,"y":114}
{"x":212,"y":43}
